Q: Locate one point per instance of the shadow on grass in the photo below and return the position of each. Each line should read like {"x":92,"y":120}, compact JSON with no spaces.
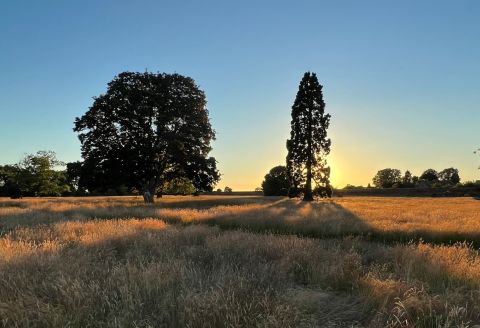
{"x":323,"y":219}
{"x":172,"y":277}
{"x":278,"y":215}
{"x":34,"y":211}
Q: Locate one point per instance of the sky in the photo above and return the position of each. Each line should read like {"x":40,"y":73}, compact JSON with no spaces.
{"x":400,"y":78}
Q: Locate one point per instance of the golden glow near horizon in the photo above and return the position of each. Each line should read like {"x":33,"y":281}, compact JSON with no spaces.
{"x":348,"y":167}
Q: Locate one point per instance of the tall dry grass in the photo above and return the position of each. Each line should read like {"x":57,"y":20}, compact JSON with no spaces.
{"x":113,"y":262}
{"x":439,"y":220}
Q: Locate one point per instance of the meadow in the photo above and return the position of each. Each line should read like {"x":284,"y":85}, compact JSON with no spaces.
{"x":231,"y":261}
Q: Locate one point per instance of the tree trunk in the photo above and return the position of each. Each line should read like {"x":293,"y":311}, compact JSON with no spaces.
{"x":152,"y":196}
{"x":148,"y":197}
{"x":149,"y":192}
{"x":308,"y":196}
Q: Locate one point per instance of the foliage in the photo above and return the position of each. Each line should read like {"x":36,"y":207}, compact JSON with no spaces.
{"x":449,"y":176}
{"x":407,"y":180}
{"x":228,"y":190}
{"x":178,"y":186}
{"x":352,"y":187}
{"x":387,"y":178}
{"x":415,"y":180}
{"x":9,"y":181}
{"x":294,"y":173}
{"x":145,"y":130}
{"x":276,"y":182}
{"x":429,"y":175}
{"x":38,"y":175}
{"x":471,"y":184}
{"x":34,"y":175}
{"x":321,"y":176}
{"x":73,"y":175}
{"x":308,"y":144}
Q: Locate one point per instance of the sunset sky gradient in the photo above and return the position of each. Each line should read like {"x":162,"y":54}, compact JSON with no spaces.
{"x":401,"y":79}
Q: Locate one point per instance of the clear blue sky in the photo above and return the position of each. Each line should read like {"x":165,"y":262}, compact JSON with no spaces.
{"x":401,"y":78}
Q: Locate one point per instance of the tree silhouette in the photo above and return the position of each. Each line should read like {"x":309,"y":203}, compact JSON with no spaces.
{"x":276,"y":182}
{"x":148,"y":129}
{"x":407,"y":180}
{"x":449,"y":176}
{"x":429,"y":175}
{"x":73,"y":174}
{"x":387,"y":178}
{"x":9,"y":186}
{"x":308,"y":144}
{"x":294,"y":173}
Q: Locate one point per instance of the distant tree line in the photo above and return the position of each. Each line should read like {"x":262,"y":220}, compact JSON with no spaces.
{"x":227,"y":190}
{"x":393,"y":178}
{"x":42,"y":175}
{"x":37,"y":174}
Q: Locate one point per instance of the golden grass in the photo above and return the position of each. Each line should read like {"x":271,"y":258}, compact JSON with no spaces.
{"x":461,"y":215}
{"x":200,"y":262}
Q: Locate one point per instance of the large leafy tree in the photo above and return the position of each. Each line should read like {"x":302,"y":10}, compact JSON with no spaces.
{"x":276,"y":182}
{"x":9,"y":181}
{"x":145,"y":130}
{"x":39,"y":175}
{"x":387,"y":178}
{"x":73,"y":174}
{"x":308,"y":144}
{"x":429,"y":175}
{"x":449,"y":176}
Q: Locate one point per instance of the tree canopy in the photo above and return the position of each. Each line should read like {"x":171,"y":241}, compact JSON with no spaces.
{"x":35,"y":175}
{"x":449,"y":176}
{"x":429,"y":175}
{"x":408,"y":180}
{"x":276,"y":182}
{"x":147,"y":129}
{"x":9,"y":186}
{"x":387,"y":178}
{"x":178,"y":186}
{"x":308,"y":144}
{"x":38,"y":176}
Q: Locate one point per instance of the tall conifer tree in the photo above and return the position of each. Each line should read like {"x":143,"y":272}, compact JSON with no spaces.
{"x":308,"y":144}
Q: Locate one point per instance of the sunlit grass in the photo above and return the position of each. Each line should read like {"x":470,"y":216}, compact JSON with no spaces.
{"x":239,"y":262}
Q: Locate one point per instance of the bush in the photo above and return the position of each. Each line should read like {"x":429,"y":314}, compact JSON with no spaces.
{"x":276,"y":182}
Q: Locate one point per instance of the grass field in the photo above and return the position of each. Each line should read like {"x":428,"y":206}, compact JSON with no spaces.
{"x":219,"y":261}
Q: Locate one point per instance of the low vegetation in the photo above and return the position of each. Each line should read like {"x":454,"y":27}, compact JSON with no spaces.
{"x":228,"y":261}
